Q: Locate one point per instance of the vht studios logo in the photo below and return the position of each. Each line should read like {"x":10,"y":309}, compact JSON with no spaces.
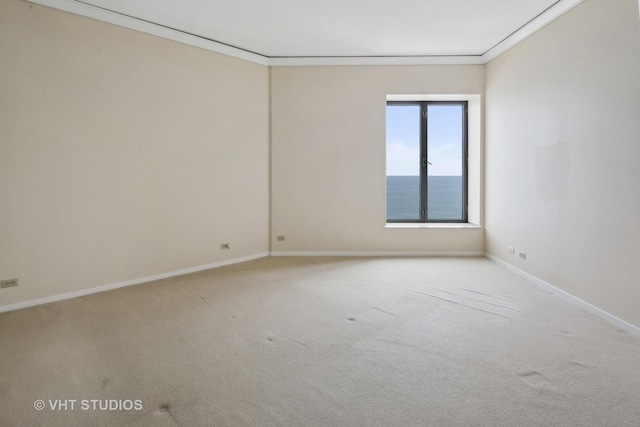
{"x":88,"y":405}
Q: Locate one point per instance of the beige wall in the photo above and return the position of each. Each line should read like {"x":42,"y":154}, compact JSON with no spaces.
{"x":562,"y":155}
{"x":328,"y":157}
{"x":123,"y":155}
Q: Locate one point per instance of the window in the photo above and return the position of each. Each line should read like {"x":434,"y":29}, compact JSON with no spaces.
{"x":427,"y":161}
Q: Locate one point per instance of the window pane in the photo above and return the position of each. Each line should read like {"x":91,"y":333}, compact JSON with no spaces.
{"x":403,"y":162}
{"x":445,"y":189}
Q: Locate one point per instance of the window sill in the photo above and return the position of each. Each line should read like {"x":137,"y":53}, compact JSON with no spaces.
{"x":456,"y":225}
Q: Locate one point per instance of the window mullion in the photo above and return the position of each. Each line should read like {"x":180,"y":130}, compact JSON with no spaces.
{"x":423,"y":160}
{"x":465,"y":157}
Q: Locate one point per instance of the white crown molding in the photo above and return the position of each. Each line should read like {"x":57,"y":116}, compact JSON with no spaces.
{"x":533,"y":26}
{"x":83,"y":9}
{"x":84,"y":292}
{"x":103,"y":15}
{"x":375,"y":60}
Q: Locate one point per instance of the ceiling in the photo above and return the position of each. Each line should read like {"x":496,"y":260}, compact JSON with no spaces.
{"x":293,"y":31}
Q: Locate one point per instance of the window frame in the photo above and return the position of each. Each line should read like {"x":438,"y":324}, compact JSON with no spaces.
{"x":424,"y":162}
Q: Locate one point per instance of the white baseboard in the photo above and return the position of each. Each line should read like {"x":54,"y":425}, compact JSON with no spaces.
{"x":628,"y":327}
{"x":112,"y":286}
{"x":374,"y":253}
{"x":625,"y":326}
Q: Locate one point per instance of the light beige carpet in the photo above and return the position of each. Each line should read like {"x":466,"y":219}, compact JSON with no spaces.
{"x":321,"y":342}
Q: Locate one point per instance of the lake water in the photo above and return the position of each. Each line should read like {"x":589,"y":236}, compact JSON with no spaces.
{"x":444,"y":198}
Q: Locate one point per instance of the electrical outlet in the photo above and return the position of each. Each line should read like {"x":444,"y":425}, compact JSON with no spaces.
{"x":280,"y":238}
{"x":522,"y":255}
{"x":512,"y":251}
{"x":224,"y":246}
{"x":9,"y":283}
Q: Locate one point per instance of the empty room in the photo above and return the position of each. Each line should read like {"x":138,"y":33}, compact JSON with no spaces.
{"x":334,"y":213}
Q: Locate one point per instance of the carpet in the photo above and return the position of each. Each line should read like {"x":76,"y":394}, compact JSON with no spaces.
{"x":314,"y":341}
